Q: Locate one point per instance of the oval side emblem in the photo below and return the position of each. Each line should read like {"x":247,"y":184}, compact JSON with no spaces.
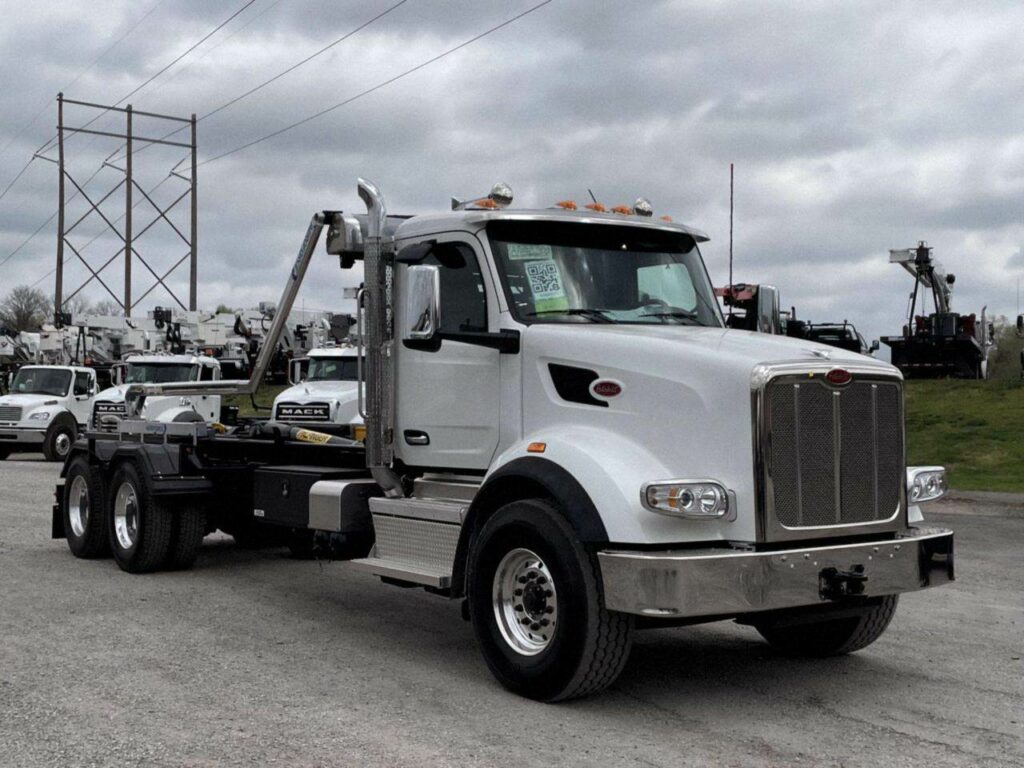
{"x":838,"y":377}
{"x":606,"y":388}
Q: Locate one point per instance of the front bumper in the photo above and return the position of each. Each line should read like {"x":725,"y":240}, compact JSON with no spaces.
{"x":22,"y":436}
{"x":717,"y":582}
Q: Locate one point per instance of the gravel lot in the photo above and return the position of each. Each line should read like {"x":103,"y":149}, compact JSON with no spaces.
{"x":255,"y":659}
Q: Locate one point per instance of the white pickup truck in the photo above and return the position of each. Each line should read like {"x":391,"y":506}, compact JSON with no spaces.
{"x":109,"y":406}
{"x":45,"y":409}
{"x":325,"y":396}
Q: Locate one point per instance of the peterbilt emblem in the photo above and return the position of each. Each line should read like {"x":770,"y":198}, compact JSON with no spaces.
{"x":606,"y":388}
{"x":838,"y":377}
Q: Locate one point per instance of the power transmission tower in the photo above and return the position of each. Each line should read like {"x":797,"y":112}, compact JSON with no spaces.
{"x":127,"y":235}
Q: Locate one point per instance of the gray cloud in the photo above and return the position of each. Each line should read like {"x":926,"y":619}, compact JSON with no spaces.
{"x":855,"y":128}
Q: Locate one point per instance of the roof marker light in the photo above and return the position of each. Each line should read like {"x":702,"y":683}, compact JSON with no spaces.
{"x":485,"y":202}
{"x":623,"y":210}
{"x":665,"y":218}
{"x":569,"y":205}
{"x":596,"y":207}
{"x":643,"y":207}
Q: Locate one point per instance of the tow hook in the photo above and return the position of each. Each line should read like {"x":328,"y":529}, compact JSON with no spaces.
{"x":834,"y":584}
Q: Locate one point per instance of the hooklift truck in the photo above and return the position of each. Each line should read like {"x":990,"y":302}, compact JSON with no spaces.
{"x":561,"y":433}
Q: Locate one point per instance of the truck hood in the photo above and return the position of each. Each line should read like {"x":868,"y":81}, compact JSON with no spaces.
{"x":29,"y":402}
{"x":113,"y":394}
{"x":309,"y":391}
{"x":660,"y":348}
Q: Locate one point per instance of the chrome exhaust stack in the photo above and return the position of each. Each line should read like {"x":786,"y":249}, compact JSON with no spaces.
{"x":379,"y":383}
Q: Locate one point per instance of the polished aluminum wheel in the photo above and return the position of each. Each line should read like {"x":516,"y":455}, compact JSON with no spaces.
{"x":62,"y":444}
{"x":78,"y":505}
{"x":126,"y":515}
{"x":525,"y":602}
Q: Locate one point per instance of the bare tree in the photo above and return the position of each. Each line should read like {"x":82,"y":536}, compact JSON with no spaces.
{"x":77,"y":305}
{"x":24,"y":309}
{"x":108,"y":308}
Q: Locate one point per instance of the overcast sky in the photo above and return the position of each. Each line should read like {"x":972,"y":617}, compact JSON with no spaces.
{"x":855,"y":128}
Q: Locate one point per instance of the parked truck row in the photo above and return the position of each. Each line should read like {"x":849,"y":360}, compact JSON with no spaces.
{"x":560,"y":432}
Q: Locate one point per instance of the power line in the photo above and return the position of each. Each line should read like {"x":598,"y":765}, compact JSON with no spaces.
{"x":378,"y":86}
{"x":16,"y":177}
{"x":79,"y":76}
{"x":278,"y":76}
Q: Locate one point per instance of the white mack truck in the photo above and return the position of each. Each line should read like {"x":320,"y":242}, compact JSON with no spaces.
{"x":109,"y":406}
{"x":45,"y":409}
{"x":562,"y":434}
{"x":324,"y":392}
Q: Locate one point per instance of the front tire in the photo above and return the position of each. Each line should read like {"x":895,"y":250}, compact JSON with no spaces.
{"x":139,"y":527}
{"x":824,"y":636}
{"x":536,"y":606}
{"x":59,"y":439}
{"x":84,"y":514}
{"x":4,"y":453}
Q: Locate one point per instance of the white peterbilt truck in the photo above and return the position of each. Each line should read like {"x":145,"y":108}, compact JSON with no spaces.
{"x":45,"y":409}
{"x":562,"y":434}
{"x":109,"y":406}
{"x":324,"y":392}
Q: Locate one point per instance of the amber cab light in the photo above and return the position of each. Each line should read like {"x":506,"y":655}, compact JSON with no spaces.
{"x":569,"y":205}
{"x":596,"y":207}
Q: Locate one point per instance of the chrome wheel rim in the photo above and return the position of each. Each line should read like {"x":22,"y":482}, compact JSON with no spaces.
{"x":525,"y":602}
{"x":78,"y":505}
{"x":62,"y":444}
{"x":126,"y":515}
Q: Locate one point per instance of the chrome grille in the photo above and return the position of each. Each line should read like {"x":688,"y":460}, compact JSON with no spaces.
{"x":10,"y":413}
{"x":105,"y":408}
{"x":835,"y":455}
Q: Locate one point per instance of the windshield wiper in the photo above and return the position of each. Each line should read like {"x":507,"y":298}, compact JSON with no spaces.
{"x":597,"y":315}
{"x":677,"y":315}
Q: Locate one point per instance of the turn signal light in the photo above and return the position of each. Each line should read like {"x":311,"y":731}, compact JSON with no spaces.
{"x":359,"y":433}
{"x":536,"y":447}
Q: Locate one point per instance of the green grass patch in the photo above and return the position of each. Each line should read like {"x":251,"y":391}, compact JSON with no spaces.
{"x":264,"y":398}
{"x":973,"y":428}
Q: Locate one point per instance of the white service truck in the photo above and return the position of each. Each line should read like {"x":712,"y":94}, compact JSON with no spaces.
{"x":324,"y":392}
{"x":562,"y":434}
{"x":109,"y":406}
{"x":45,"y":408}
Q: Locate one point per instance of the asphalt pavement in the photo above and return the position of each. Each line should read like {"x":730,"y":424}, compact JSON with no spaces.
{"x":252,"y":658}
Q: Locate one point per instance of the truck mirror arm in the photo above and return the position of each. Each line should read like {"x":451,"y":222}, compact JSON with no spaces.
{"x":505,"y":341}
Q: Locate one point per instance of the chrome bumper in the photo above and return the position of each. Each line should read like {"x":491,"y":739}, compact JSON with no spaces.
{"x":21,"y":436}
{"x":717,"y":582}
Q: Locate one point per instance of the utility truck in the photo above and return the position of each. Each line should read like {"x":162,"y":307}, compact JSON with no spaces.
{"x":109,"y":406}
{"x":45,"y":408}
{"x":562,"y":434}
{"x":324,"y":392}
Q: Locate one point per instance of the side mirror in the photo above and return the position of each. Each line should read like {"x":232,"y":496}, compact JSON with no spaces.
{"x":874,"y":346}
{"x":295,"y":370}
{"x":422,"y":303}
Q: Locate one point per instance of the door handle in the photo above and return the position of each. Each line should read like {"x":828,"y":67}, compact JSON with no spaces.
{"x":416,"y":437}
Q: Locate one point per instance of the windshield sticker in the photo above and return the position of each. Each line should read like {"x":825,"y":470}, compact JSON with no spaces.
{"x":545,"y":281}
{"x":527,"y":252}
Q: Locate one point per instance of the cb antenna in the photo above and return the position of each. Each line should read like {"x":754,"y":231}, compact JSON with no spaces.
{"x":591,"y":193}
{"x":730,"y":230}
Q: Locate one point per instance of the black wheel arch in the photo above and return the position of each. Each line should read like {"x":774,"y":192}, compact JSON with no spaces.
{"x":528,"y":478}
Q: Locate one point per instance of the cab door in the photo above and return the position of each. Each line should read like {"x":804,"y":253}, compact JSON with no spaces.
{"x":83,"y":388}
{"x":448,"y":390}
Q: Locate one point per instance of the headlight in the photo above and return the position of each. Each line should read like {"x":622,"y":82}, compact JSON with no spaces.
{"x":40,"y":416}
{"x":925,"y":483}
{"x":701,"y":499}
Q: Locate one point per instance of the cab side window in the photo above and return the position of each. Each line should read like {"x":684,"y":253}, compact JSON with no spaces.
{"x":83,"y":383}
{"x":463,"y":296}
{"x":205,"y":373}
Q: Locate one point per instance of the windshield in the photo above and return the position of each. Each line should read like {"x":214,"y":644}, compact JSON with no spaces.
{"x":332,"y":369}
{"x":559,"y":272}
{"x":161,"y":373}
{"x":41,"y":381}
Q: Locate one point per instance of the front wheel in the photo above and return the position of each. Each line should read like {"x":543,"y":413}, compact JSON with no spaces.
{"x":58,"y":441}
{"x":832,"y":633}
{"x":536,"y":606}
{"x":4,"y":453}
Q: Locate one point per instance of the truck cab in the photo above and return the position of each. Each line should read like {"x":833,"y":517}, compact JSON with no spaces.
{"x":324,"y":392}
{"x":109,"y":406}
{"x":45,"y":409}
{"x":562,"y":433}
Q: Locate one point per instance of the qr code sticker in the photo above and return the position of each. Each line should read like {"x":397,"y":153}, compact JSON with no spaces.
{"x":545,"y":280}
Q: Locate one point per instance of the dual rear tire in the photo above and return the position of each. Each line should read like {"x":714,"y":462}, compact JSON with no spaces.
{"x":123,"y":518}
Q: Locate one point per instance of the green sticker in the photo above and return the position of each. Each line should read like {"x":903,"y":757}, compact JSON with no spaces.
{"x":526,"y":252}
